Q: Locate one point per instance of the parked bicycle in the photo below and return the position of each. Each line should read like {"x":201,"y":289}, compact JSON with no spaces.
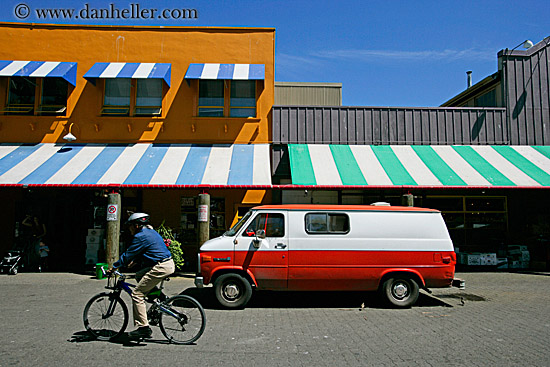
{"x":181,"y":318}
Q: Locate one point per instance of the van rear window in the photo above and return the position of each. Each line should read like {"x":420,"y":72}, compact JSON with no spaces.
{"x":322,"y":223}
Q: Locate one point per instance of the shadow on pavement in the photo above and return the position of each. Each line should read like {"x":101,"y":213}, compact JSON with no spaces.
{"x":124,"y":340}
{"x":286,"y":299}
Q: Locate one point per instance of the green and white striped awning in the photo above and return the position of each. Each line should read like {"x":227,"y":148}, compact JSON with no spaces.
{"x":420,"y":165}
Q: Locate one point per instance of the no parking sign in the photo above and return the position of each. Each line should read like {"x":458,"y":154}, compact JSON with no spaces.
{"x":112,"y":212}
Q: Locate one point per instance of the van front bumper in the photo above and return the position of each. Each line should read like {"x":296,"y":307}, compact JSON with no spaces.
{"x":199,"y":282}
{"x":459,"y":283}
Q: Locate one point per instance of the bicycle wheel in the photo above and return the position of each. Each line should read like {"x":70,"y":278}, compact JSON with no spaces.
{"x":106,"y":316}
{"x":182,"y":319}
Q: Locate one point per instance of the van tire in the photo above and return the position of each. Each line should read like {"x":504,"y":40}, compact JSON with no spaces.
{"x":400,"y":291}
{"x":232,"y":290}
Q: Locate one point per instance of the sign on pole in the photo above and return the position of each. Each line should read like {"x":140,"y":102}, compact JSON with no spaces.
{"x":112,"y":212}
{"x":203,"y":213}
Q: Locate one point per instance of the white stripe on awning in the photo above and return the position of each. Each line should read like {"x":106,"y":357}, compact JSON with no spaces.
{"x":112,"y":70}
{"x":45,"y":69}
{"x":168,"y":170}
{"x":326,"y":172}
{"x":370,"y":167}
{"x":13,"y":68}
{"x":121,"y":169}
{"x":218,"y":165}
{"x":416,"y":168}
{"x":460,"y":166}
{"x":261,"y":167}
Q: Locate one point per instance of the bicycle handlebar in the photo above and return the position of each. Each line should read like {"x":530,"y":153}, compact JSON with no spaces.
{"x":113,"y":272}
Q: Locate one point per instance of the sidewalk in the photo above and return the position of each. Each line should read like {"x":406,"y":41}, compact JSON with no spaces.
{"x":499,"y":319}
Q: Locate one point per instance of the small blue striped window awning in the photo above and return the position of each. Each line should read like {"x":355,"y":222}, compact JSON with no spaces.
{"x":129,"y":70}
{"x":226,"y":71}
{"x":40,"y":69}
{"x":159,"y":165}
{"x":420,"y":165}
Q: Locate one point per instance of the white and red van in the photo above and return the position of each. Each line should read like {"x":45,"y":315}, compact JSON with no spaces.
{"x":395,"y":250}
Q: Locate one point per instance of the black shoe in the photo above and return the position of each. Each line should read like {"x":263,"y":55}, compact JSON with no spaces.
{"x":143,"y":332}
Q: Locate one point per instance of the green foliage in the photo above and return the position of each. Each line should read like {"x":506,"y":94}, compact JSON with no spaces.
{"x":174,"y":246}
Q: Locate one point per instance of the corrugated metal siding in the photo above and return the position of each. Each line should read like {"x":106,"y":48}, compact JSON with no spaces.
{"x":388,"y":125}
{"x":308,"y":94}
{"x":526,"y":92}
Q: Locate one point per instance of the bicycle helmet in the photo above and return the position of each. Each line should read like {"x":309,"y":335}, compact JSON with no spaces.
{"x":138,"y":218}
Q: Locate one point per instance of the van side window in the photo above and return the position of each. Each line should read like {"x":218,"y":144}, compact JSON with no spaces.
{"x":272,"y":223}
{"x":322,"y":223}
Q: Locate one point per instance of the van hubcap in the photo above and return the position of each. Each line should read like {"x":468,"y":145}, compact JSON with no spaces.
{"x":400,"y":290}
{"x":231,"y":291}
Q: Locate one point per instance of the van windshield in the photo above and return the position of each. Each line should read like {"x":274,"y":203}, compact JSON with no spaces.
{"x":238,"y":225}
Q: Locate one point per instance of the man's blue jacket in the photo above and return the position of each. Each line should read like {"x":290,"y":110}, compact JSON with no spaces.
{"x":147,"y":244}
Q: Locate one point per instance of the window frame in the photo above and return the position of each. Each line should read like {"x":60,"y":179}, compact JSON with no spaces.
{"x":37,"y":108}
{"x":227,"y":107}
{"x":132,"y":110}
{"x":258,"y":216}
{"x":328,"y":230}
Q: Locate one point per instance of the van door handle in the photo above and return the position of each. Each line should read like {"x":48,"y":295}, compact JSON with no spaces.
{"x":280,"y":245}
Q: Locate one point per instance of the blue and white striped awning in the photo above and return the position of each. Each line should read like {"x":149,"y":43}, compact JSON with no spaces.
{"x":161,"y":165}
{"x":420,"y":165}
{"x":226,"y":71}
{"x":129,"y":70}
{"x":40,"y":69}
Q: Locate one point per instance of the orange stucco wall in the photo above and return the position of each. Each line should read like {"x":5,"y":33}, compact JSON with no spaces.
{"x":178,"y":46}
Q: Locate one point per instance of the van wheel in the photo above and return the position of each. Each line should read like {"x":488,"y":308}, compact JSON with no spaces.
{"x":232,"y":290}
{"x":401,"y":291}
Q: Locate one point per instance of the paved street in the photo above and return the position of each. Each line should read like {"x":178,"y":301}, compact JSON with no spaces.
{"x":505,"y":321}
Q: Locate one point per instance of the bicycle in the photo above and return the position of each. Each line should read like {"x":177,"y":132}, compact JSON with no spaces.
{"x":181,"y":318}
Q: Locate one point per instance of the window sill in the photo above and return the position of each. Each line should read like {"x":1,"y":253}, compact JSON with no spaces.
{"x":139,"y":117}
{"x":225,"y":119}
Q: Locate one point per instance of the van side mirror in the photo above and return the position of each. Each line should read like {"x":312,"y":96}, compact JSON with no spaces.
{"x":260,"y":235}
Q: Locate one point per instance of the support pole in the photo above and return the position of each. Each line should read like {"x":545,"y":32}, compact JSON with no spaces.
{"x":204,"y":218}
{"x":113,"y":228}
{"x":407,"y":200}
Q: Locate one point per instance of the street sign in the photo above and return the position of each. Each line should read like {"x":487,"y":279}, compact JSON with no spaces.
{"x":203,"y":213}
{"x":112,"y":212}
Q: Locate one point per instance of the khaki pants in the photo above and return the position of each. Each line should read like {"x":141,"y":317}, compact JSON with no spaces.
{"x":146,"y":282}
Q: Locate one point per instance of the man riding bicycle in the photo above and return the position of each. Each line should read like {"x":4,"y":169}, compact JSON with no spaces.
{"x":147,"y":245}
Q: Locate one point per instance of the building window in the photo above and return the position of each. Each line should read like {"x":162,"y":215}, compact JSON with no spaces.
{"x":21,"y":95}
{"x":117,"y":97}
{"x":475,"y":223}
{"x":229,"y":98}
{"x":148,"y":97}
{"x":211,"y":98}
{"x":54,"y":96}
{"x":323,"y":223}
{"x":23,"y":92}
{"x":243,"y":98}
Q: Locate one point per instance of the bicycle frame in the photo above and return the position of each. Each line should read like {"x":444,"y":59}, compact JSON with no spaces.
{"x":121,"y":285}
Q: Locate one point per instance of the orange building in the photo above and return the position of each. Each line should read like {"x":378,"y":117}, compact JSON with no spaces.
{"x":158,"y":113}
